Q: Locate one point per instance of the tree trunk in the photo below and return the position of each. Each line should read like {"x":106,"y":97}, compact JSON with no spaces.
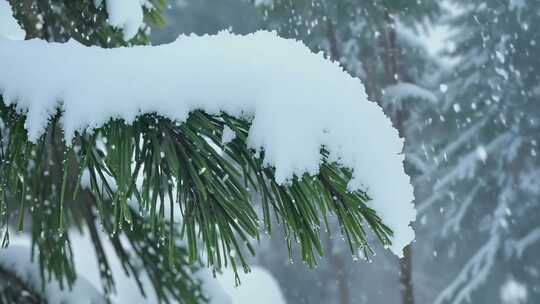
{"x":331,"y":35}
{"x":391,"y":68}
{"x":392,"y":76}
{"x":405,"y":282}
{"x":341,"y":279}
{"x":391,"y":51}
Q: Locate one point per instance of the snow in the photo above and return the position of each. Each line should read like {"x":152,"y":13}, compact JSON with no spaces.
{"x":126,"y":287}
{"x":443,"y":88}
{"x":297,"y":102}
{"x":477,"y":269}
{"x":17,"y":259}
{"x":455,"y":221}
{"x":124,"y":14}
{"x":263,"y":2}
{"x":258,"y":286}
{"x":213,"y":290}
{"x":525,"y":242}
{"x":482,"y":153}
{"x":517,"y":5}
{"x":396,"y":93}
{"x":228,"y":135}
{"x":513,"y":292}
{"x":469,"y":162}
{"x":9,"y":28}
{"x":87,"y":269}
{"x":433,"y":37}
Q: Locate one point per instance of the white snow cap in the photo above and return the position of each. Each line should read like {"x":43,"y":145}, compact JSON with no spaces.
{"x":9,"y":28}
{"x":258,"y":286}
{"x":88,"y":284}
{"x":298,"y":102}
{"x":124,"y":14}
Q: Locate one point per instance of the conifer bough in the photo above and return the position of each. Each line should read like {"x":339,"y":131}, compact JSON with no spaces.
{"x":143,"y":131}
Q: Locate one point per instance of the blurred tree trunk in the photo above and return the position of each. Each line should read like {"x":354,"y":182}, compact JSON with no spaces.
{"x":341,"y":278}
{"x":391,"y":53}
{"x":391,"y":68}
{"x":331,"y":35}
{"x":406,"y":285}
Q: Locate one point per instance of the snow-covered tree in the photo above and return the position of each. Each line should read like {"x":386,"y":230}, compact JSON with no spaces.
{"x":155,"y":151}
{"x":485,"y":180}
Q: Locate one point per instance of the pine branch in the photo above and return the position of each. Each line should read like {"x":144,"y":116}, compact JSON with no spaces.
{"x":174,"y":191}
{"x":155,"y":162}
{"x":14,"y":289}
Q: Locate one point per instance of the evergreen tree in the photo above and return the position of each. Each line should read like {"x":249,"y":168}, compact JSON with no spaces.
{"x":491,"y":109}
{"x":91,"y":184}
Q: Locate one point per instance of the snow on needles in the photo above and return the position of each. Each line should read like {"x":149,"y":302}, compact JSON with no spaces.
{"x":297,"y":100}
{"x":124,"y":14}
{"x":8,"y":25}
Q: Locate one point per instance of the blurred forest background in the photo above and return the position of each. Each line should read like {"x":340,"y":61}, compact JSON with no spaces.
{"x":461,"y":81}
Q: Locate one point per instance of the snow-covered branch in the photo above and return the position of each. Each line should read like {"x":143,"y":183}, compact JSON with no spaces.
{"x":478,"y":268}
{"x":525,"y":242}
{"x":8,"y":25}
{"x":399,"y":92}
{"x":454,"y":222}
{"x":468,"y":163}
{"x":297,"y":102}
{"x":473,"y":274}
{"x":464,"y":168}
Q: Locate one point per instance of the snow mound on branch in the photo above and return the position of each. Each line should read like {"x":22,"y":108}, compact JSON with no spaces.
{"x":9,"y":28}
{"x":124,"y":14}
{"x":298,"y":102}
{"x":257,"y":286}
{"x":17,"y":259}
{"x":87,"y":286}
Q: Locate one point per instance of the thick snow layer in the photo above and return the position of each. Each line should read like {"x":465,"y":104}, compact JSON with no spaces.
{"x":258,"y":286}
{"x":124,"y":14}
{"x":9,"y":28}
{"x":213,"y":289}
{"x":298,"y":101}
{"x":18,"y":260}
